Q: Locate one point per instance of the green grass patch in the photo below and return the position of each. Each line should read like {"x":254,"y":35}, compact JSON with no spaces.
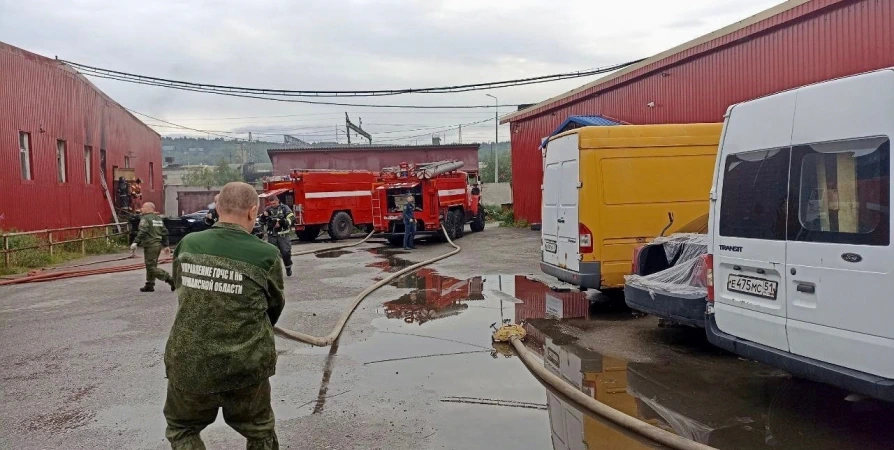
{"x":506,"y":217}
{"x":35,"y":258}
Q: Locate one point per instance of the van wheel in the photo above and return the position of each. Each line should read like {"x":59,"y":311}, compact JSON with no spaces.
{"x":309,"y":234}
{"x":478,"y":221}
{"x":341,"y":226}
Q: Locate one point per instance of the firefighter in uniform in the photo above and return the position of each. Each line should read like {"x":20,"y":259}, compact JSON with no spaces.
{"x":409,"y":223}
{"x":152,"y":236}
{"x":221,"y":352}
{"x":212,"y":217}
{"x":279,"y":220}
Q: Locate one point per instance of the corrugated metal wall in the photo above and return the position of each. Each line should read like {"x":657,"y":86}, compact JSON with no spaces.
{"x":373,"y":159}
{"x":51,"y":102}
{"x":834,"y":39}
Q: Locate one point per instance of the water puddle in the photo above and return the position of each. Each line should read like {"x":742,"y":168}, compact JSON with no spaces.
{"x":727,"y":404}
{"x":333,"y":254}
{"x":390,"y":260}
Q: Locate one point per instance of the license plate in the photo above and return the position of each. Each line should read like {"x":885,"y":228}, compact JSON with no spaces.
{"x":550,"y":246}
{"x":752,"y":286}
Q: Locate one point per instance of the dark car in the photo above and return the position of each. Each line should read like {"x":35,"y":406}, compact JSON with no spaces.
{"x":178,"y":227}
{"x":669,"y":279}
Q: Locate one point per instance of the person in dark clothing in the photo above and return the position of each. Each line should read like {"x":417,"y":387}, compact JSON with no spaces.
{"x":212,"y":217}
{"x":279,"y":219}
{"x":409,"y":223}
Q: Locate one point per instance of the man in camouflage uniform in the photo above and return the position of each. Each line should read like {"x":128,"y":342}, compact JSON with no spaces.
{"x":152,"y":237}
{"x":279,"y":220}
{"x":221,"y":353}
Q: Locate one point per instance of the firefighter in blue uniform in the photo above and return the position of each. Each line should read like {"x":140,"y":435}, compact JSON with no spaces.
{"x":279,"y":219}
{"x":409,"y":223}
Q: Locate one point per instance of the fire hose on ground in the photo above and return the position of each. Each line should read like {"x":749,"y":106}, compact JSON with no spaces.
{"x":537,"y":369}
{"x":509,"y":332}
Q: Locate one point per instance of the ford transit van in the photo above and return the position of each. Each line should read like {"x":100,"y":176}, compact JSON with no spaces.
{"x":800,"y":258}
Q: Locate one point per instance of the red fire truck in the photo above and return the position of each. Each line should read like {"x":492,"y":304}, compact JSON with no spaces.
{"x":336,"y":201}
{"x":442,"y":193}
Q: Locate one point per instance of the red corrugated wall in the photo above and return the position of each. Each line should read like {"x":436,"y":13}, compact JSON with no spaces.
{"x":373,"y":158}
{"x":817,"y":41}
{"x":50,"y":101}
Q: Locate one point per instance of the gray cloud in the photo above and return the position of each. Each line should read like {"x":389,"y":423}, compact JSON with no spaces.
{"x":349,"y":44}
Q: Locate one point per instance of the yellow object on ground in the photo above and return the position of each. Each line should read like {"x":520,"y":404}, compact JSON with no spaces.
{"x":506,"y":332}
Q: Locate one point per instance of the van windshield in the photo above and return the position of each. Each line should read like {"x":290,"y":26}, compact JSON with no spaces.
{"x":754,"y":195}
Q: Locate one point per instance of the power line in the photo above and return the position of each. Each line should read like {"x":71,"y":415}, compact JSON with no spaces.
{"x":308,"y":102}
{"x":226,"y":89}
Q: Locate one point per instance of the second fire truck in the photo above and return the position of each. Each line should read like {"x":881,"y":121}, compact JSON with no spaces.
{"x":442,"y":193}
{"x":337,"y":201}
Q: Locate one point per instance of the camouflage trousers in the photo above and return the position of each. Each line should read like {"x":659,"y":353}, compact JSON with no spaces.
{"x":246,"y":410}
{"x":150,"y":256}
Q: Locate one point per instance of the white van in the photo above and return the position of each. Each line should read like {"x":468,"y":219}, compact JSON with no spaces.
{"x":800,"y":256}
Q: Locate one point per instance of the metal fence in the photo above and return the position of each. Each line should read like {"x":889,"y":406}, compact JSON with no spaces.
{"x":52,"y":238}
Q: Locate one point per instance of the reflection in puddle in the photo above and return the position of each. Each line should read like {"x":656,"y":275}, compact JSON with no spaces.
{"x":518,"y":298}
{"x":727,"y":403}
{"x":390,"y":259}
{"x":333,"y":254}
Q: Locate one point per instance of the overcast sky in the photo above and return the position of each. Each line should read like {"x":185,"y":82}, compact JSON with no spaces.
{"x":352,"y":44}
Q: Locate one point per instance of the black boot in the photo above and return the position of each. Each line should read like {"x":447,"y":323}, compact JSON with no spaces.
{"x":147,"y":288}
{"x":289,"y":271}
{"x":171,"y":283}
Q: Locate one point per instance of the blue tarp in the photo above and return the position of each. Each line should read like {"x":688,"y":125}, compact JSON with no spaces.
{"x":573,"y":122}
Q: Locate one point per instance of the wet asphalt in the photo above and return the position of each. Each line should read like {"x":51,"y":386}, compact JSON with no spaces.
{"x":82,"y":367}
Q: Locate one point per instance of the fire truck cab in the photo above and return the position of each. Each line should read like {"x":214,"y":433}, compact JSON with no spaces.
{"x":442,"y":193}
{"x":337,"y":201}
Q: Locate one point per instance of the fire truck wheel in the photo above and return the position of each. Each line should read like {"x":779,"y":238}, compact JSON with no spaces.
{"x":478,"y":221}
{"x":460,"y":223}
{"x":308,"y":234}
{"x":341,"y":226}
{"x":450,"y":224}
{"x":396,"y":241}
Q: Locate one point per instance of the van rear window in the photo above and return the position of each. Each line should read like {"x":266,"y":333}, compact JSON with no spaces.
{"x":754,"y":195}
{"x":842,"y":190}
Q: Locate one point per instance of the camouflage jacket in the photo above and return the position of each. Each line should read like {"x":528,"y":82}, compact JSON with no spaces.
{"x":230,"y":288}
{"x":152,"y":231}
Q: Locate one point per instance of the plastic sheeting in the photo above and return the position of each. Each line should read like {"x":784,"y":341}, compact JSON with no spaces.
{"x":686,"y":277}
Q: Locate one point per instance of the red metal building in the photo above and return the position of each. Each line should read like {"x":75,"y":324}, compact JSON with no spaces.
{"x":370,"y":157}
{"x":796,"y":43}
{"x":56,"y":131}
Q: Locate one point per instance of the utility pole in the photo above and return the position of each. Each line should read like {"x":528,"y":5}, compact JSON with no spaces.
{"x":496,"y":137}
{"x":460,"y":134}
{"x":249,"y":143}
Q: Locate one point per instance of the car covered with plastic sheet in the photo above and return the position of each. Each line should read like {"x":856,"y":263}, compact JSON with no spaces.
{"x":669,"y":279}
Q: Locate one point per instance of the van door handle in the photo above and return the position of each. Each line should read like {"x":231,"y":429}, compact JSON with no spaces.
{"x":561,"y":220}
{"x":806,"y":288}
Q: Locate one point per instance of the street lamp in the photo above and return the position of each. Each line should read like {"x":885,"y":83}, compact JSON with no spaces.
{"x":496,"y":137}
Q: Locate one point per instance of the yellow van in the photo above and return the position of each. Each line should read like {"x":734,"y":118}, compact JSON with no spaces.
{"x":608,"y":189}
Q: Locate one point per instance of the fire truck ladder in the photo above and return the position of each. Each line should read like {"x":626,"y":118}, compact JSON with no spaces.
{"x":376,"y":211}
